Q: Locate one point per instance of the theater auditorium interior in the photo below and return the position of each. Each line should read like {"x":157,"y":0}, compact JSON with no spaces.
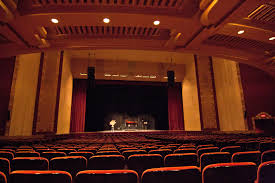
{"x":137,"y":91}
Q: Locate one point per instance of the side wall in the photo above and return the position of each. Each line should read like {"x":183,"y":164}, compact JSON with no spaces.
{"x":65,"y":102}
{"x":24,"y":94}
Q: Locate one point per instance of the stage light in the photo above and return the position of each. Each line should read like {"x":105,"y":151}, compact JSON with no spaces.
{"x":115,"y":75}
{"x":271,"y":38}
{"x":107,"y":75}
{"x":123,"y":76}
{"x":138,"y":76}
{"x":156,"y":22}
{"x":106,"y":20}
{"x":165,"y":77}
{"x":83,"y":74}
{"x":145,"y":76}
{"x":54,"y":20}
{"x":153,"y":77}
{"x":241,"y":32}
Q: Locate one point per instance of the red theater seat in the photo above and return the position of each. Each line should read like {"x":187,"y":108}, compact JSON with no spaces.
{"x":162,"y":152}
{"x":268,"y":156}
{"x":50,"y":155}
{"x":266,"y":172}
{"x":249,"y":156}
{"x":187,"y":159}
{"x":213,"y":158}
{"x":106,"y":162}
{"x":188,"y":150}
{"x":172,"y":175}
{"x":204,"y":146}
{"x":200,"y":151}
{"x":71,"y":164}
{"x":5,"y":166}
{"x":230,"y":173}
{"x":3,"y":178}
{"x":67,"y":151}
{"x":108,"y":153}
{"x":231,"y":149}
{"x":6,"y":154}
{"x":29,"y":163}
{"x":26,"y":154}
{"x":141,"y":162}
{"x":107,"y":176}
{"x":126,"y":154}
{"x":87,"y":155}
{"x":29,"y":176}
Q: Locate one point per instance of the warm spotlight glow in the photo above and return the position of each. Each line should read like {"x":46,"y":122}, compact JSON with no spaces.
{"x":54,"y":20}
{"x":138,"y":76}
{"x":83,"y":74}
{"x":107,"y":75}
{"x":153,"y":77}
{"x":115,"y":75}
{"x":271,"y":38}
{"x":156,"y":22}
{"x":241,"y":32}
{"x":123,"y":76}
{"x":106,"y":20}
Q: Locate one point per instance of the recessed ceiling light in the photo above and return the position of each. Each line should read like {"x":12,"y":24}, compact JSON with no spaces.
{"x":106,"y":20}
{"x":123,"y":76}
{"x":153,"y":77}
{"x":138,"y":76}
{"x":241,"y":32}
{"x":107,"y":75}
{"x":54,"y":20}
{"x":115,"y":75}
{"x":156,"y":22}
{"x":83,"y":74}
{"x":271,"y":38}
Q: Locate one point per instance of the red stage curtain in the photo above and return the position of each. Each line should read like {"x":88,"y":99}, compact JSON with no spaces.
{"x":78,"y":105}
{"x":175,"y":111}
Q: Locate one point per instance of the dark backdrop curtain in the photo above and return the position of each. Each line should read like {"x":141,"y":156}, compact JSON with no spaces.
{"x":78,"y":105}
{"x":175,"y":110}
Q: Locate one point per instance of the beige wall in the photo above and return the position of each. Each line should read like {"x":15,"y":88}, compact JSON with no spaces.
{"x":228,"y":92}
{"x":65,"y":102}
{"x":190,"y":98}
{"x":27,"y":67}
{"x":48,"y":91}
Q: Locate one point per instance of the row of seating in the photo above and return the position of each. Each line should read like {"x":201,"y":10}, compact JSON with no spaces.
{"x":216,"y":173}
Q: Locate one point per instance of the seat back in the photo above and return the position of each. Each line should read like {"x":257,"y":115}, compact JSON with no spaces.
{"x":230,"y":173}
{"x":106,"y":162}
{"x":249,"y":156}
{"x":266,"y":172}
{"x":5,"y":166}
{"x":26,"y":154}
{"x":36,"y":176}
{"x":172,"y":174}
{"x":184,"y":159}
{"x":6,"y":154}
{"x":141,"y":162}
{"x":108,"y":153}
{"x":71,"y":164}
{"x":87,"y":155}
{"x":213,"y":158}
{"x":268,"y":156}
{"x":29,"y":163}
{"x":3,"y":178}
{"x":231,"y":149}
{"x":206,"y":150}
{"x":67,"y":151}
{"x":186,"y":150}
{"x":50,"y":155}
{"x":128,"y":153}
{"x":107,"y":176}
{"x":265,"y":146}
{"x":162,"y":152}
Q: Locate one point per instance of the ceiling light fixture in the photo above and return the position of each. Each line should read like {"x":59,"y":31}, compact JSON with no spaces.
{"x":83,"y":74}
{"x":153,"y":77}
{"x":54,"y":20}
{"x":138,"y":76}
{"x":271,"y":38}
{"x":107,"y":75}
{"x":123,"y":76}
{"x":115,"y":75}
{"x":241,"y":32}
{"x":156,"y":22}
{"x":106,"y":20}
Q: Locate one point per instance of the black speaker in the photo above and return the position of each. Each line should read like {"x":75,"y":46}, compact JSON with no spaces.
{"x":91,"y":77}
{"x":171,"y":78}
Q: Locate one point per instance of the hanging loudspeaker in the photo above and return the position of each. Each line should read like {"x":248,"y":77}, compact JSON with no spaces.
{"x":171,"y":78}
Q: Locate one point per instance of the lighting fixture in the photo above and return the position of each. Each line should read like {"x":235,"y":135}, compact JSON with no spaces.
{"x":241,"y":32}
{"x":106,"y":20}
{"x":153,"y":77}
{"x":115,"y":75}
{"x":123,"y":76}
{"x":138,"y":76}
{"x":156,"y":22}
{"x":107,"y":75}
{"x":83,"y":74}
{"x":145,"y":76}
{"x":54,"y":20}
{"x":271,"y":38}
